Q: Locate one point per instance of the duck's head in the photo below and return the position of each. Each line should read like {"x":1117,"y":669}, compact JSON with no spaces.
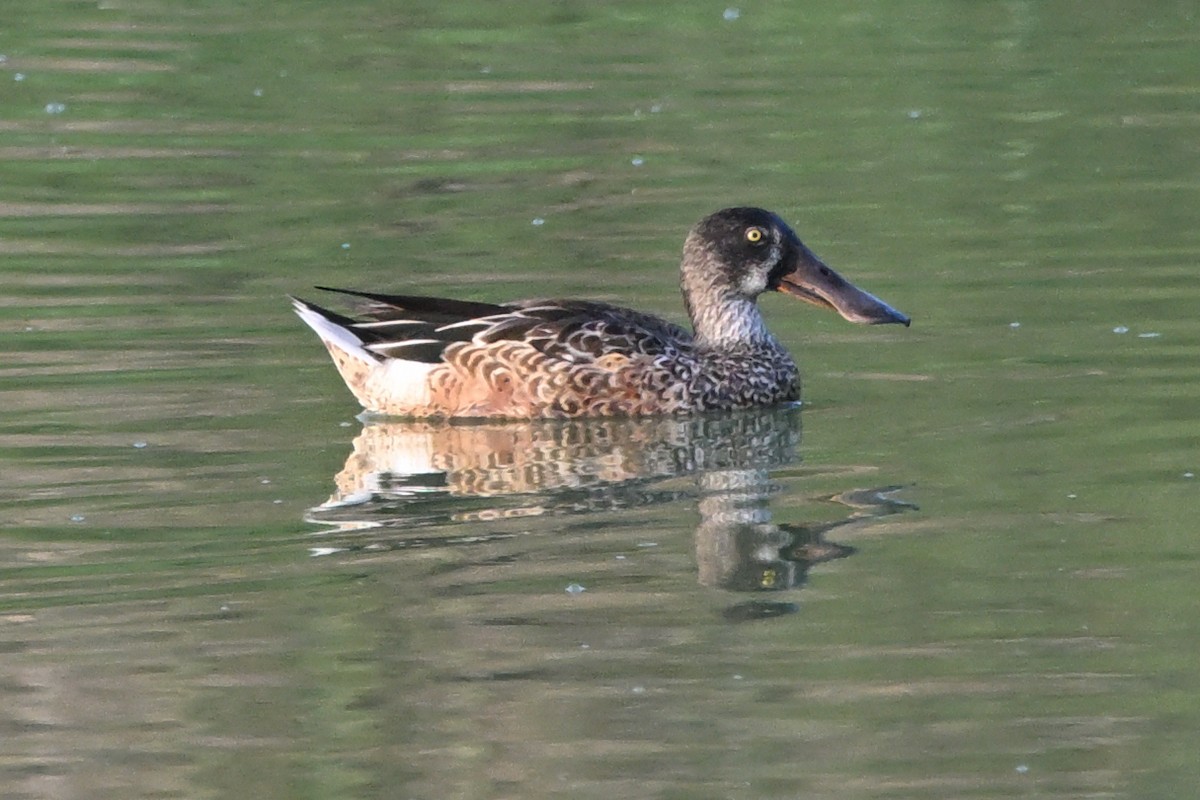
{"x":750,"y":251}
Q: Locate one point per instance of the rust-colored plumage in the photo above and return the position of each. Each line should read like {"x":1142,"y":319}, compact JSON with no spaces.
{"x":417,"y":356}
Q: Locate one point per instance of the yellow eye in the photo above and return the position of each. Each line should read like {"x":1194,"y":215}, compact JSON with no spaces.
{"x":754,"y":235}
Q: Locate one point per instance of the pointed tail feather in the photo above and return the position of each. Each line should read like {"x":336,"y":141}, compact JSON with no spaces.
{"x":334,"y":329}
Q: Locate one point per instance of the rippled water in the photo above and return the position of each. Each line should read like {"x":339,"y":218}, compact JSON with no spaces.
{"x":965,"y":568}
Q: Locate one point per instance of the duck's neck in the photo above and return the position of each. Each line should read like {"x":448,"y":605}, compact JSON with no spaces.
{"x":723,"y":317}
{"x":726,"y":321}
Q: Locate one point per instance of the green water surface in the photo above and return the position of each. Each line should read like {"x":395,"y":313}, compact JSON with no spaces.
{"x":967,"y":568}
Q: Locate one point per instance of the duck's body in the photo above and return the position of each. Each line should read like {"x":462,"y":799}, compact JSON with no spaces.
{"x":430,"y":357}
{"x":544,"y":358}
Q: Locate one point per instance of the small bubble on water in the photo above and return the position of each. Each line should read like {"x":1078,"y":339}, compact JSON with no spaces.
{"x":345,"y":245}
{"x":637,"y":161}
{"x":3,"y":58}
{"x":1014,"y":325}
{"x":485,"y":70}
{"x":737,"y":677}
{"x":1150,"y":335}
{"x":78,"y":518}
{"x":731,"y":14}
{"x":639,"y":690}
{"x":1022,"y":769}
{"x":345,"y":424}
{"x":537,"y":222}
{"x":140,"y":445}
{"x":1189,"y":474}
{"x":1072,"y":496}
{"x":55,"y":108}
{"x":647,"y":544}
{"x":619,"y":558}
{"x":258,"y":92}
{"x":265,"y":481}
{"x":277,"y":502}
{"x":914,"y":114}
{"x":19,"y":76}
{"x":656,"y":108}
{"x":575,"y":588}
{"x":1120,"y":329}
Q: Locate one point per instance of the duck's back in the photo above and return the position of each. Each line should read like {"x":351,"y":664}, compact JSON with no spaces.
{"x":564,"y":358}
{"x":423,"y":357}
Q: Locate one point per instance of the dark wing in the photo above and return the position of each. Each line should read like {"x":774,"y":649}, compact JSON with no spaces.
{"x":419,"y":328}
{"x":580,"y":331}
{"x":438,"y":310}
{"x":414,"y":327}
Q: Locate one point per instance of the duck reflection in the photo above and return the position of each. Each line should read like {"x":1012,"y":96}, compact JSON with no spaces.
{"x":404,"y":478}
{"x":739,"y":548}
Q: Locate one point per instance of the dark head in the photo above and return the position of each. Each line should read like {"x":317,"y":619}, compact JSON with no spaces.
{"x":750,"y":251}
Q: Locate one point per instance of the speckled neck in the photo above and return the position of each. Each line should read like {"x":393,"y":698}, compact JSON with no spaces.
{"x":723,"y":317}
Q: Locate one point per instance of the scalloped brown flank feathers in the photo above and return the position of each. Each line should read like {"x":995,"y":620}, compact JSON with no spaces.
{"x":414,"y":356}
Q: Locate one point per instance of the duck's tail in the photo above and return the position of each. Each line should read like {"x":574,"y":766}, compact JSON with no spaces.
{"x":382,"y":383}
{"x":335,"y":330}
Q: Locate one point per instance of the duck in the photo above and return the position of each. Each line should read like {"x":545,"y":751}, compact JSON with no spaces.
{"x":423,"y":357}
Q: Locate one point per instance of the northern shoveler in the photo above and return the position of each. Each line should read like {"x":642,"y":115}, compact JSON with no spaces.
{"x":416,"y":356}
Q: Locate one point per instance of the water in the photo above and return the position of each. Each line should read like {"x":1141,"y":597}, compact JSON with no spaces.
{"x":966,"y":568}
